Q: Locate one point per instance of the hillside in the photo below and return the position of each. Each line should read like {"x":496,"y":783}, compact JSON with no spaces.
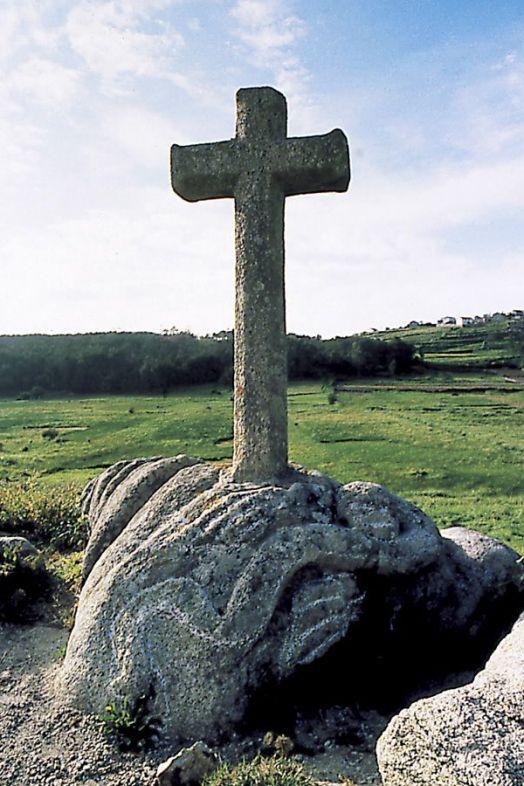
{"x":493,"y":345}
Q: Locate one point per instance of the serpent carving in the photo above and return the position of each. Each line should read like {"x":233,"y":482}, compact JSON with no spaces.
{"x":204,"y":588}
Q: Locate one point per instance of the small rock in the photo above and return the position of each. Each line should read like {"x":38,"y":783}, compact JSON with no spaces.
{"x":27,"y":554}
{"x":188,"y":768}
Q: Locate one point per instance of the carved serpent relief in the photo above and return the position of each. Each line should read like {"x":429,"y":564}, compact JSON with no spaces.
{"x":206,"y":587}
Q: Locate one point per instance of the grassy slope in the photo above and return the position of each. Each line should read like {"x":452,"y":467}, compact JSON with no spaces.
{"x":460,"y":457}
{"x":475,"y":346}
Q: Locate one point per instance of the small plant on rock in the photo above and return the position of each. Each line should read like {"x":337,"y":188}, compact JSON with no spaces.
{"x":131,"y":723}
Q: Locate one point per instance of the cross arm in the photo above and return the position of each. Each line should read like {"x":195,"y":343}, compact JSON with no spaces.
{"x":311,"y":164}
{"x":208,"y":171}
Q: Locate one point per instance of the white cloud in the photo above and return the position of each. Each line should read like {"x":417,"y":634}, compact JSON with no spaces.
{"x":269,"y":33}
{"x":267,"y":29}
{"x":106,"y":35}
{"x":46,"y":82}
{"x":487,"y":114}
{"x":10,"y":31}
{"x":143,"y":135}
{"x":25,"y":25}
{"x":390,"y":250}
{"x":150,"y":263}
{"x":21,"y":143}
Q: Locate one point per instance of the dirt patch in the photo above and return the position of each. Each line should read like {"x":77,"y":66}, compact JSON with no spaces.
{"x":43,"y":743}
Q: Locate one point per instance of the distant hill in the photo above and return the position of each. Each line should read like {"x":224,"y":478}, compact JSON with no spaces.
{"x":496,"y":344}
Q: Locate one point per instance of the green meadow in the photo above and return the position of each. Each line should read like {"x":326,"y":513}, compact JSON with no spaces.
{"x":459,"y":456}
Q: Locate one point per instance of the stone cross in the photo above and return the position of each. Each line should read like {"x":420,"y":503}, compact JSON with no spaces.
{"x":259,"y":168}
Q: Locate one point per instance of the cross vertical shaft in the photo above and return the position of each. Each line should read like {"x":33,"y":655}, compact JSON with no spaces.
{"x":259,"y":168}
{"x":260,"y":408}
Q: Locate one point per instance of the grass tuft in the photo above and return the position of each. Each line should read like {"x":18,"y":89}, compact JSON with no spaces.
{"x":276,"y":771}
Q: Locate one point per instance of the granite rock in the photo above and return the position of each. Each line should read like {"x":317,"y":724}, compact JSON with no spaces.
{"x":27,"y":555}
{"x":121,"y":491}
{"x":188,"y":767}
{"x":207,"y":589}
{"x":469,"y":736}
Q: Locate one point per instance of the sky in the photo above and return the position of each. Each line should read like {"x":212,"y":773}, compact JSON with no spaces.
{"x":93,"y":93}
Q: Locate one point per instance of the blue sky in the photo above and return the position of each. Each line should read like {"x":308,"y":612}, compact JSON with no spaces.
{"x":93,"y":93}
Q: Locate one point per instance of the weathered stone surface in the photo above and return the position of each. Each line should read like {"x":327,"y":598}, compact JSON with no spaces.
{"x":188,"y":768}
{"x":213,"y":589}
{"x":27,"y":555}
{"x":498,"y":565}
{"x":470,"y":736}
{"x":119,"y":495}
{"x":259,"y":168}
{"x":471,"y":577}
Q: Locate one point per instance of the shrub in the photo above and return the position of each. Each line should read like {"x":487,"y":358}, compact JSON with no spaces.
{"x":47,"y":516}
{"x":275,"y":771}
{"x":23,"y":580}
{"x":34,"y":394}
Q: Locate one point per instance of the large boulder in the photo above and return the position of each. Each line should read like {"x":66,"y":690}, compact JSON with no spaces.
{"x":473,"y":735}
{"x":200,"y":591}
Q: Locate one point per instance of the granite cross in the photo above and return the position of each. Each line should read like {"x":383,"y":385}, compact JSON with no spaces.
{"x":259,"y":168}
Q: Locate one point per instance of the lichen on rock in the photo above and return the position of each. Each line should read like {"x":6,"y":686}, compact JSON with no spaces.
{"x":208,"y":590}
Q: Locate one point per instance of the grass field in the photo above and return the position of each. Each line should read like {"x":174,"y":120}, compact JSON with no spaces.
{"x":458,"y":456}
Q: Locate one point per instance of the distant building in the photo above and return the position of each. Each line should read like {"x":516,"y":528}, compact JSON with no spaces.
{"x":447,"y":321}
{"x":464,"y":321}
{"x":516,"y":314}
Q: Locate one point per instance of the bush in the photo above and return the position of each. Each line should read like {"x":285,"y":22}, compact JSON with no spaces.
{"x":36,"y":392}
{"x":23,"y":580}
{"x":47,"y":516}
{"x":275,"y":771}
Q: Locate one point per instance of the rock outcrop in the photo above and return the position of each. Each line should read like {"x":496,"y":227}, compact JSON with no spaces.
{"x":470,"y":736}
{"x":200,"y":591}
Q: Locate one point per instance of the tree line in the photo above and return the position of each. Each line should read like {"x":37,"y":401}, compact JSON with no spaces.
{"x":32,"y":366}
